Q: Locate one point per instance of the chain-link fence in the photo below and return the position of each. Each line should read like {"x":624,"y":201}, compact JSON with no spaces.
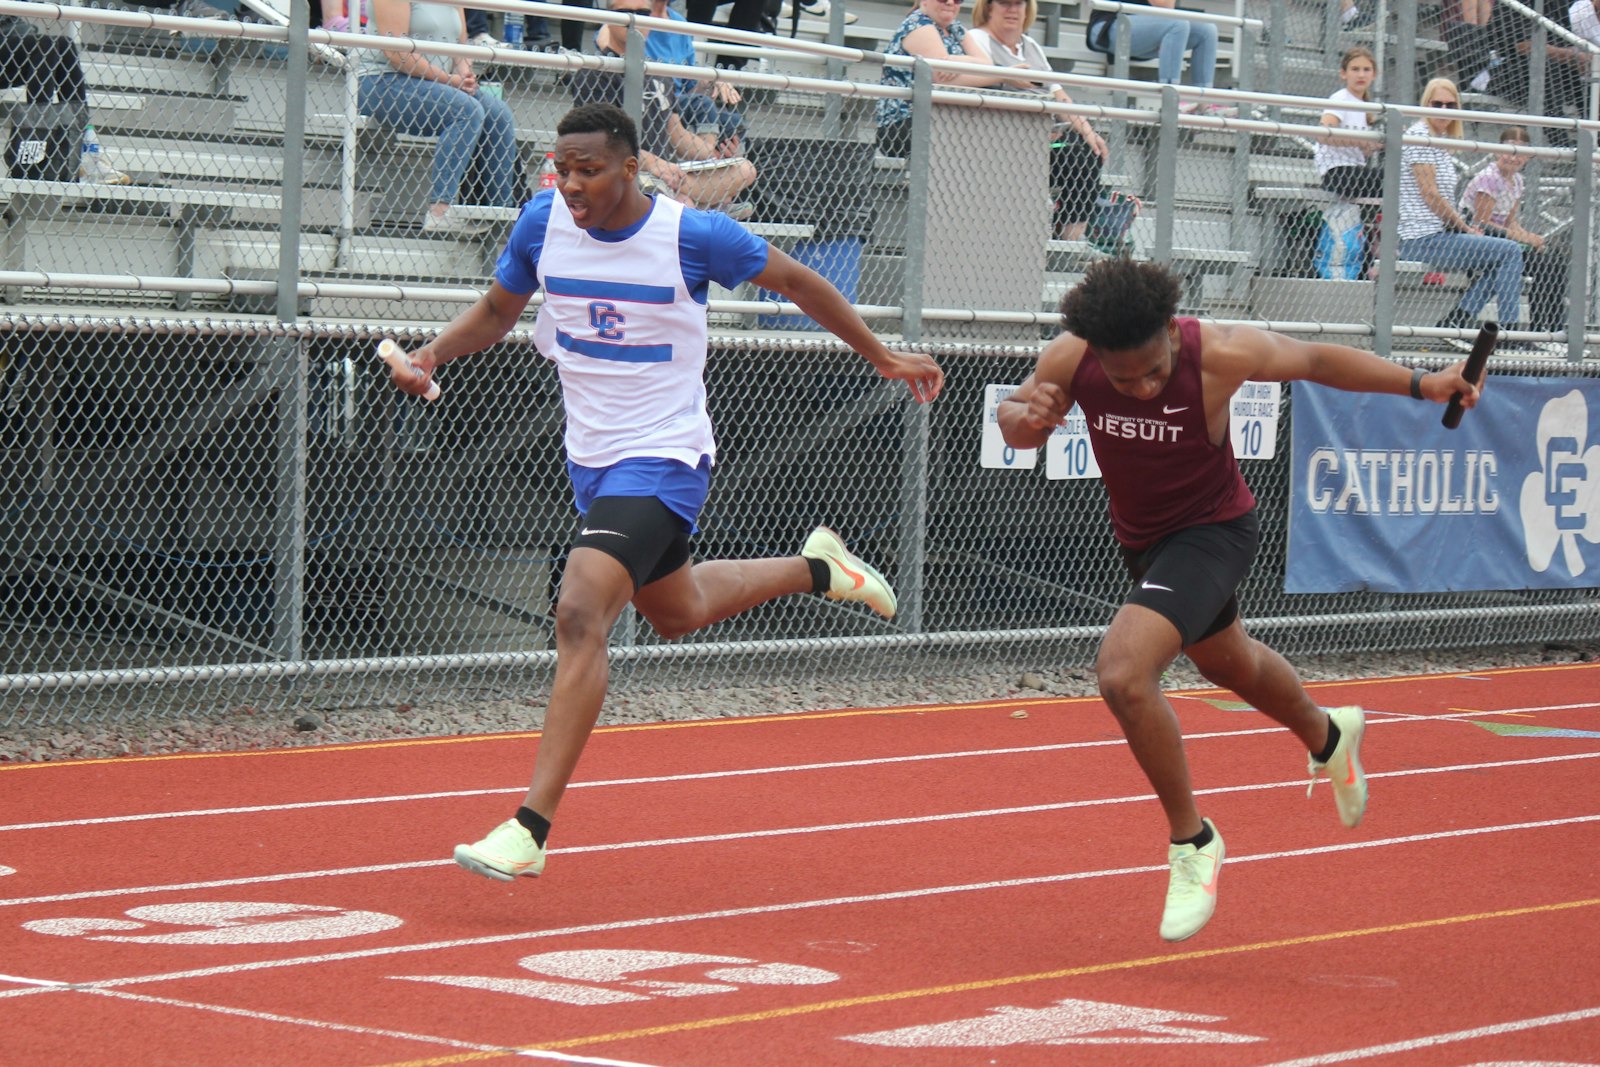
{"x":213,"y":497}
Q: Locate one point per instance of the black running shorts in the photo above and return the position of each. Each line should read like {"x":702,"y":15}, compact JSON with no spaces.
{"x":1191,"y":577}
{"x":639,"y":532}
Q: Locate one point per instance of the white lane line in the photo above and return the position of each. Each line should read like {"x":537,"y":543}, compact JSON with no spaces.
{"x":1435,"y":1040}
{"x":350,"y":1028}
{"x":749,"y":835}
{"x":796,"y":906}
{"x":1376,"y":718}
{"x":44,"y":983}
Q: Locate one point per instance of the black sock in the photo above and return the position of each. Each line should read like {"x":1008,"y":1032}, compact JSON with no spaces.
{"x":535,"y":824}
{"x":1201,"y":839}
{"x":1333,"y":742}
{"x":821,"y":576}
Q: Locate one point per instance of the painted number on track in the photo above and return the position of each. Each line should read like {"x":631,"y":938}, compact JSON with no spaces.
{"x":222,"y":923}
{"x":610,"y":976}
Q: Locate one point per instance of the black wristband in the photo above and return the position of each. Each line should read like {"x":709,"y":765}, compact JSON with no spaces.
{"x":1416,"y":383}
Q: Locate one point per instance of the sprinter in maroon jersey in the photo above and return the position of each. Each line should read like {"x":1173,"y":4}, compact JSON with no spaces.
{"x":1155,"y":392}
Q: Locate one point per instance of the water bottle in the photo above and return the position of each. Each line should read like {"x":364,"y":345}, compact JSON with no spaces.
{"x":547,"y":172}
{"x":513,"y":29}
{"x":89,"y":164}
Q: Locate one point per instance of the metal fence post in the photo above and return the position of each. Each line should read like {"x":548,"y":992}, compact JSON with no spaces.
{"x":916,"y":239}
{"x":1583,"y":255}
{"x":1166,"y":174}
{"x":289,"y":539}
{"x":633,"y":75}
{"x":1389,"y":236}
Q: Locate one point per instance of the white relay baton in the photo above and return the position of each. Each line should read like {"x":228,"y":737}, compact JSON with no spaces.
{"x":390,"y":353}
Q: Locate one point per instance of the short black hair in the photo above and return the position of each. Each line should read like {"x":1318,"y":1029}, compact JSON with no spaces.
{"x":1121,"y":303}
{"x":608,"y":119}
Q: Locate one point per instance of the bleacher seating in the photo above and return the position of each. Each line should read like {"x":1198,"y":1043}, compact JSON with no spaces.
{"x":201,"y":131}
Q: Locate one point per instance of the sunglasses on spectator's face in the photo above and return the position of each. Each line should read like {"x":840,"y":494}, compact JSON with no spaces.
{"x":631,"y":10}
{"x":1010,"y":3}
{"x":1443,"y":103}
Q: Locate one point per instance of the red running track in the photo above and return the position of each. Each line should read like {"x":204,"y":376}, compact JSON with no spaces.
{"x":971,"y":884}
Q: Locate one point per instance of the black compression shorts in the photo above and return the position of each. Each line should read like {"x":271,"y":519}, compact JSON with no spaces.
{"x":1190,"y":577}
{"x":639,"y":532}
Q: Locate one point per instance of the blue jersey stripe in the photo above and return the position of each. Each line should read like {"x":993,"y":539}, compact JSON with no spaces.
{"x":593,"y":289}
{"x":620,"y":353}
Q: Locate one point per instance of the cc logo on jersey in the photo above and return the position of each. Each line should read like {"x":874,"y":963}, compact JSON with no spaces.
{"x":606,"y":319}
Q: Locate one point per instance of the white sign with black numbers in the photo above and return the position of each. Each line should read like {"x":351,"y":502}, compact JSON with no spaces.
{"x":996,"y":454}
{"x":1068,"y":453}
{"x":1253,"y":415}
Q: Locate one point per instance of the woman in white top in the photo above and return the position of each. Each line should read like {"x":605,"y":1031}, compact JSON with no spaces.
{"x":434,"y":95}
{"x":1077,"y":152}
{"x":1342,"y":161}
{"x":1433,"y":231}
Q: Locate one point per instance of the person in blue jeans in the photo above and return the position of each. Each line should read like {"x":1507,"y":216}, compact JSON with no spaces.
{"x":433,"y":95}
{"x":1433,"y":231}
{"x":1164,"y":39}
{"x":699,"y":104}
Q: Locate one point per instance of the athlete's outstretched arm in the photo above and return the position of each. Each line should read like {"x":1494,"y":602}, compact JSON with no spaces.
{"x":494,"y":315}
{"x":817,"y":297}
{"x":1250,"y":353}
{"x":1030,"y":414}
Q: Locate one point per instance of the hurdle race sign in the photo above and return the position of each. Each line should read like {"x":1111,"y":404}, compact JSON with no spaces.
{"x":1385,"y":499}
{"x":994,"y":452}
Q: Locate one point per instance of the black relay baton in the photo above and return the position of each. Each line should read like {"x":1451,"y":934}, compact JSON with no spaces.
{"x":1482,"y":345}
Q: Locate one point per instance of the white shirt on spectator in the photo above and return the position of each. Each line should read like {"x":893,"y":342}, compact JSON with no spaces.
{"x":1329,"y":156}
{"x":1585,"y":23}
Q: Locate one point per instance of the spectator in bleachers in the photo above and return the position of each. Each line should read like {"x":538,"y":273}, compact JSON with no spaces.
{"x":336,"y":15}
{"x":1077,"y":152}
{"x":433,"y":95}
{"x":1342,"y":161}
{"x":699,"y":170}
{"x":749,"y":15}
{"x":700,"y":103}
{"x":1490,"y":200}
{"x":933,"y":31}
{"x":47,"y":66}
{"x":1165,"y":40}
{"x":1585,"y":23}
{"x":1353,"y":15}
{"x":1433,"y":231}
{"x":1465,"y":27}
{"x":1566,"y":66}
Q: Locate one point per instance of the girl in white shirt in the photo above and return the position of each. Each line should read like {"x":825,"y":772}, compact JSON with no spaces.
{"x":1342,"y":161}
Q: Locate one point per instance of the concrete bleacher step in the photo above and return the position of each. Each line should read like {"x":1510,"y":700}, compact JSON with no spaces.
{"x":169,"y":158}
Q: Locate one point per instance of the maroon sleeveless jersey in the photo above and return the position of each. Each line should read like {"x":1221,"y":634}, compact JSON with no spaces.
{"x":1156,"y":456}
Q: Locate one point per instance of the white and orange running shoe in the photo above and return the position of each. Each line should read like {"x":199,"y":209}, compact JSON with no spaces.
{"x":852,"y":579}
{"x":1343,"y":768}
{"x":508,"y":851}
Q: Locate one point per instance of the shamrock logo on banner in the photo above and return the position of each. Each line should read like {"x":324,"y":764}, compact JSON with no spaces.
{"x":1561,"y":502}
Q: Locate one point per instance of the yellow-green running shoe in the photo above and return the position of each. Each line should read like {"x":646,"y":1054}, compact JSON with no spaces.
{"x":508,"y":851}
{"x":852,"y":579}
{"x":1192,"y":886}
{"x":1343,"y":768}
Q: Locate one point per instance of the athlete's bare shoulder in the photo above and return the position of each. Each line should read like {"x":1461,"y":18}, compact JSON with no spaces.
{"x":1058,"y":363}
{"x":1232,"y":353}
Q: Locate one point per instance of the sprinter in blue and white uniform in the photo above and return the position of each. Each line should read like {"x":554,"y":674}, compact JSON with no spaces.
{"x":625,"y":278}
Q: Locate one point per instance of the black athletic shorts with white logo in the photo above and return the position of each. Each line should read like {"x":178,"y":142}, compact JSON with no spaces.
{"x":1190,"y":577}
{"x":639,"y":532}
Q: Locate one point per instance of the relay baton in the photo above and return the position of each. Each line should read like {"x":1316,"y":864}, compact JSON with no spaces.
{"x":1482,"y":345}
{"x":390,"y":353}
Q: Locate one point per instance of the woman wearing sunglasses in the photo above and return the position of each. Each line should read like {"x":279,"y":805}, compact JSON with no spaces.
{"x":1433,"y":231}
